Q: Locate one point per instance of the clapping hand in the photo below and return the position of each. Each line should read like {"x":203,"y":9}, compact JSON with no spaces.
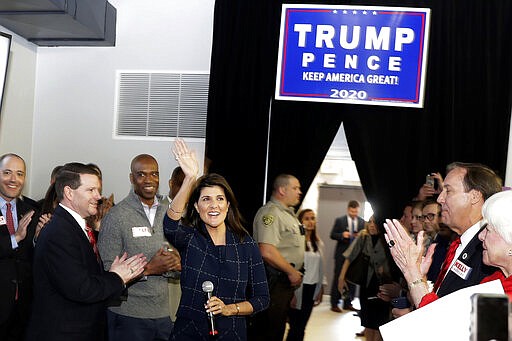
{"x":21,"y":232}
{"x":407,"y":254}
{"x":128,"y":268}
{"x":43,"y":220}
{"x":162,"y":261}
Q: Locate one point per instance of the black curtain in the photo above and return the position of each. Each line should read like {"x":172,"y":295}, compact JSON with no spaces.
{"x":466,"y":116}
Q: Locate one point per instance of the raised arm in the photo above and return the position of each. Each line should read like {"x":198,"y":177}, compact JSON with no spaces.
{"x":188,"y":163}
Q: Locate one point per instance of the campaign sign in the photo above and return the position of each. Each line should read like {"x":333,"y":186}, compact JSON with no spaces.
{"x":353,"y":54}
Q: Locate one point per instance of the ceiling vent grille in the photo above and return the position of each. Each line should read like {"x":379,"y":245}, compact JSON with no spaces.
{"x":161,"y":104}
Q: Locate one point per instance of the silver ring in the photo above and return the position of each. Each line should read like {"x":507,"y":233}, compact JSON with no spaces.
{"x":391,"y":243}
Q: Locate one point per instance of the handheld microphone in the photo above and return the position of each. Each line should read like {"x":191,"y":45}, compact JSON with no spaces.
{"x":208,"y":289}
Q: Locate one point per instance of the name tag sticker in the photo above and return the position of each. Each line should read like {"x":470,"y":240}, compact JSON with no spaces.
{"x":141,"y":231}
{"x":461,"y":269}
{"x":2,"y":220}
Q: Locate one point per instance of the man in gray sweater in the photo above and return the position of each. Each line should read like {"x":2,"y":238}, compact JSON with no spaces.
{"x":135,"y":225}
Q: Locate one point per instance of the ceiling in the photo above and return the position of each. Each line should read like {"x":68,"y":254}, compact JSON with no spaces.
{"x":61,"y":22}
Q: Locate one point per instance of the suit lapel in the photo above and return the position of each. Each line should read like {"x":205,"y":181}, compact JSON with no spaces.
{"x":466,"y":257}
{"x":77,"y":230}
{"x":75,"y":226}
{"x":21,"y":209}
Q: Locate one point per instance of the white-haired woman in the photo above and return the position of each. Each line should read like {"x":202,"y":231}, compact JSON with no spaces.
{"x":496,"y":238}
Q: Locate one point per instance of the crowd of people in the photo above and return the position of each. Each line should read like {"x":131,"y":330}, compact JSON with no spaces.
{"x":466,"y":240}
{"x":185,"y":267}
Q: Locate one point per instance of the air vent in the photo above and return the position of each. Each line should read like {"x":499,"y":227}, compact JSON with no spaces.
{"x":161,"y":104}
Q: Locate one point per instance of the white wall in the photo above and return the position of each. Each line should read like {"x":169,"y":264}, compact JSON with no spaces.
{"x":16,"y":118}
{"x":74,"y":93}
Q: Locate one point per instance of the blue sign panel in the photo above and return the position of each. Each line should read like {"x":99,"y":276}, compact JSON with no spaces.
{"x":353,"y":54}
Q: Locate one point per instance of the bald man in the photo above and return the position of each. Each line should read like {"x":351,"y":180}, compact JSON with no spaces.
{"x":136,"y":225}
{"x":16,"y":249}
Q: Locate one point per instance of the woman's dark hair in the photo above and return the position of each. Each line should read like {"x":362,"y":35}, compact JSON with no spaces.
{"x":50,"y":200}
{"x":314,"y":237}
{"x":176,"y":180}
{"x":234,"y":220}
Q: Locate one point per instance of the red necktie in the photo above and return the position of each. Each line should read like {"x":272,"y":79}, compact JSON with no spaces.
{"x":446,"y":264}
{"x":92,"y":240}
{"x":10,"y":227}
{"x":10,"y":221}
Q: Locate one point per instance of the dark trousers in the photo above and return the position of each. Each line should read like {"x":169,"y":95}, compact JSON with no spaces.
{"x":122,"y":328}
{"x":335,"y":294}
{"x":270,"y":324}
{"x":14,"y":326}
{"x":298,"y":318}
{"x":374,"y":312}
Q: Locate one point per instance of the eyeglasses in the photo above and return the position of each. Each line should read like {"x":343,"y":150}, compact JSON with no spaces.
{"x":428,"y":216}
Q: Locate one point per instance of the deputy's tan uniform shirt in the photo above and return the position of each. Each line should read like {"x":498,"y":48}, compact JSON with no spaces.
{"x":277,"y":225}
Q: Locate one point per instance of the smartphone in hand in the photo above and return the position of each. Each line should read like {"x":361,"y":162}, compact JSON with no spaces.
{"x":430,"y":180}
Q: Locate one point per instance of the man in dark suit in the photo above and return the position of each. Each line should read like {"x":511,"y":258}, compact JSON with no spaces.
{"x":71,"y":289}
{"x":344,"y":231}
{"x":465,"y":189}
{"x":16,"y":249}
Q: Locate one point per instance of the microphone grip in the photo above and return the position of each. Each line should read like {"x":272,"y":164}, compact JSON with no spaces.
{"x":210,"y":314}
{"x":213,"y":330}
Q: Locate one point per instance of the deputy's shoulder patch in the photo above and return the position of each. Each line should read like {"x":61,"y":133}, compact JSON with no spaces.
{"x":268,"y":219}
